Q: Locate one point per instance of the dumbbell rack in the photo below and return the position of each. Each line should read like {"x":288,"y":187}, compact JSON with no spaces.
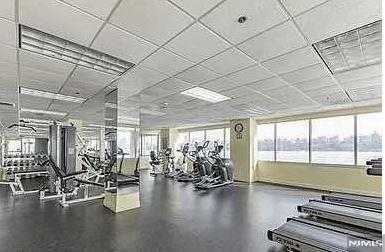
{"x":21,"y":163}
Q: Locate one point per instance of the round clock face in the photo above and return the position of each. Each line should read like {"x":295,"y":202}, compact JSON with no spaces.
{"x":238,"y":127}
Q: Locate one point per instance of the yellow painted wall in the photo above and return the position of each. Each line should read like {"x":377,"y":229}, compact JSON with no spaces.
{"x":242,"y":150}
{"x":339,"y":178}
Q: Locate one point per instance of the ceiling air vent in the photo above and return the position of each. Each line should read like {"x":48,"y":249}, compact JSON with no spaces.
{"x":353,"y":49}
{"x":49,"y":45}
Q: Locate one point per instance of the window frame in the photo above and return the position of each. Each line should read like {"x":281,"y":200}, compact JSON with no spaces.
{"x":142,"y":136}
{"x":310,"y":138}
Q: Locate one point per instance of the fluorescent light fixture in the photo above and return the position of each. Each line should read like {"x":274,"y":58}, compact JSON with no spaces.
{"x":52,"y":46}
{"x":205,"y":94}
{"x":353,"y":49}
{"x":48,"y":95}
{"x":44,"y":112}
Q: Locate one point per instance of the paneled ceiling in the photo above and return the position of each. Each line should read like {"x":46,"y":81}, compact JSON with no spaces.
{"x":267,"y":64}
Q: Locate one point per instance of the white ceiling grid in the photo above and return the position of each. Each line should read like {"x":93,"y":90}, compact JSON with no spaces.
{"x":267,"y":64}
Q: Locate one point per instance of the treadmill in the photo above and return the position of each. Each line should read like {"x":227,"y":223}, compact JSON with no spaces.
{"x":376,"y":167}
{"x":354,"y":200}
{"x":352,"y":215}
{"x":302,"y":234}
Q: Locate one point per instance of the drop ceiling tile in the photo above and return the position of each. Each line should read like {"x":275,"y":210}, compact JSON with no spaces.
{"x":195,"y":103}
{"x":139,"y":78}
{"x":63,"y":106}
{"x":306,"y":73}
{"x":197,"y":74}
{"x":196,"y":8}
{"x":330,"y":98}
{"x":175,"y":100}
{"x":197,"y":43}
{"x":7,"y":54}
{"x":84,"y":74}
{"x":228,"y":61}
{"x":121,"y":44}
{"x":282,"y":91}
{"x":167,"y":87}
{"x":360,"y":73}
{"x":7,"y":9}
{"x":42,"y":80}
{"x":236,"y":92}
{"x":296,"y":7}
{"x":261,"y":15}
{"x":80,"y":89}
{"x":267,"y":84}
{"x":277,"y":41}
{"x":166,"y":62}
{"x":355,"y":13}
{"x":322,"y":91}
{"x":293,"y":60}
{"x":220,"y":84}
{"x":59,"y":19}
{"x":157,"y":21}
{"x":27,"y":101}
{"x":99,"y":8}
{"x":365,"y":93}
{"x":43,"y":63}
{"x":8,"y":32}
{"x":325,"y":81}
{"x":362,"y":83}
{"x":250,"y":74}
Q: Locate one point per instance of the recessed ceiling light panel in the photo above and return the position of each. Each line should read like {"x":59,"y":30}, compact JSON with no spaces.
{"x":205,"y":94}
{"x":44,"y":94}
{"x":353,"y":49}
{"x":52,"y":46}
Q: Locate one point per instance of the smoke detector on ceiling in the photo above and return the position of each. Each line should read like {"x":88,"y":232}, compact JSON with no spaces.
{"x":242,"y":19}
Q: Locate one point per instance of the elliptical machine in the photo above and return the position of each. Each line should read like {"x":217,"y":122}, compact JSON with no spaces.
{"x":155,"y":162}
{"x":170,"y":171}
{"x":201,"y":166}
{"x":221,"y":172}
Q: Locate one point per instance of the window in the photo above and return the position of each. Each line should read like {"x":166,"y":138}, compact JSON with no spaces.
{"x":28,"y":145}
{"x":197,"y":137}
{"x":265,"y":134}
{"x":128,"y":140}
{"x":369,"y":137}
{"x":227,"y":142}
{"x":333,"y":140}
{"x":215,"y":135}
{"x":293,"y":141}
{"x":182,"y":139}
{"x":149,"y":142}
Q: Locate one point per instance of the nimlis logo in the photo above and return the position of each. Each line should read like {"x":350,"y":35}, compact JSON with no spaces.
{"x":364,"y":243}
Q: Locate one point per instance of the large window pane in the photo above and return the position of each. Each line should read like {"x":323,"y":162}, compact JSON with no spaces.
{"x":149,"y":143}
{"x":182,"y":139}
{"x":333,"y":140}
{"x":197,"y":137}
{"x":215,"y":135}
{"x":227,"y":142}
{"x":265,"y":134}
{"x":369,"y":137}
{"x":293,"y":141}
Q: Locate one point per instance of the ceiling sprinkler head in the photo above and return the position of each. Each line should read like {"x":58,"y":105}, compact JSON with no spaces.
{"x":242,"y":19}
{"x":164,"y":104}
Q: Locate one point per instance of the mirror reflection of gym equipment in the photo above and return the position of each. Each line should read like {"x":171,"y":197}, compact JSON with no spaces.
{"x":191,"y":125}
